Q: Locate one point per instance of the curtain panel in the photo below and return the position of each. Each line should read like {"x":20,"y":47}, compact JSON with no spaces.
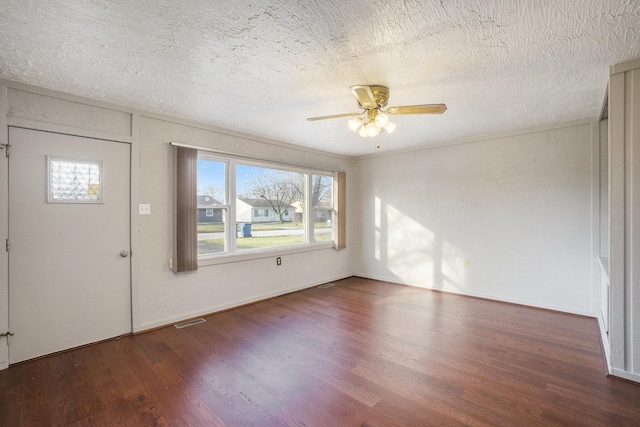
{"x":185,"y":209}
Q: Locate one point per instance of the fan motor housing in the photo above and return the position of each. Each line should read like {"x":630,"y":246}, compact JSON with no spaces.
{"x":380,"y":94}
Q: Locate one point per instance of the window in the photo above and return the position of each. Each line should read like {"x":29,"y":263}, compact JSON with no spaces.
{"x":271,"y":192}
{"x":259,"y":206}
{"x":211,"y":179}
{"x":322,"y":204}
{"x":74,"y":181}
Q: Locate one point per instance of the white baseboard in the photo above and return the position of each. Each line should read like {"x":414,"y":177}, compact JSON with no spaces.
{"x":481,"y":295}
{"x":604,"y":340}
{"x":630,"y":376}
{"x":218,"y":308}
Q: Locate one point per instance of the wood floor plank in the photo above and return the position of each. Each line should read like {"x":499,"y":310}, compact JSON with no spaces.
{"x":361,"y":353}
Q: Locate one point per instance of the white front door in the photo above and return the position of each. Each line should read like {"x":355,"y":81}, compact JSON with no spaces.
{"x":69,"y":216}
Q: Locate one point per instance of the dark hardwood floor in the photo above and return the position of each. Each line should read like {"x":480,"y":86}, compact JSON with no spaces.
{"x":360,"y":353}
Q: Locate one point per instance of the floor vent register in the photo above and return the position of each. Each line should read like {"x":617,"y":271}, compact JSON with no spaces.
{"x":189,"y":323}
{"x":327,"y":285}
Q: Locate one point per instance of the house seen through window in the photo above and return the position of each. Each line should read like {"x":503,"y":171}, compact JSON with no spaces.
{"x":265,"y":207}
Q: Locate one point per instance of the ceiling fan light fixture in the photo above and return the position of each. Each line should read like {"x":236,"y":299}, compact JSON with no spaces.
{"x":355,"y":124}
{"x":381,"y":120}
{"x":390,"y":127}
{"x":372,"y":130}
{"x":370,"y":121}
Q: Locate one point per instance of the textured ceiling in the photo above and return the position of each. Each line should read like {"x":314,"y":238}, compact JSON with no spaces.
{"x":262,"y":67}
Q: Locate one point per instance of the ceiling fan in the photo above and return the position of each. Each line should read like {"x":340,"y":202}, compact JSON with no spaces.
{"x":372,"y":99}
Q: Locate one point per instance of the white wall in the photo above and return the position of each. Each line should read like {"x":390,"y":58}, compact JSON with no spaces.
{"x":164,"y":297}
{"x":159,"y":296}
{"x":518,"y":207}
{"x":624,"y":220}
{"x":601,"y":234}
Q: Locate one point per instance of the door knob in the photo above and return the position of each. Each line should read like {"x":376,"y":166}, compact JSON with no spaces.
{"x":124,"y":254}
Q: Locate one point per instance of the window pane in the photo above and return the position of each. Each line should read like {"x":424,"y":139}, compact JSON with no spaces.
{"x":269,"y":207}
{"x":74,"y":181}
{"x":212,"y":209}
{"x":322,"y":202}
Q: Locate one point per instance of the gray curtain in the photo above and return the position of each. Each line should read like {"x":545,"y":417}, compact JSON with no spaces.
{"x":185,"y":209}
{"x":340,"y":206}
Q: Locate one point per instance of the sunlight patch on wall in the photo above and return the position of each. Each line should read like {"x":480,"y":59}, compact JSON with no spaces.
{"x":415,"y":254}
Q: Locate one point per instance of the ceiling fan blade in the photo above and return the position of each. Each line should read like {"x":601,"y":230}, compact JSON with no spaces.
{"x":364,"y":95}
{"x":417,"y":109}
{"x":335,"y":116}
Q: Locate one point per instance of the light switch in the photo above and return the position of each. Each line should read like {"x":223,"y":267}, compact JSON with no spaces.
{"x":144,"y":209}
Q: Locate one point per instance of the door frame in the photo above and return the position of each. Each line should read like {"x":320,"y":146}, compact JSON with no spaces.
{"x":35,"y":123}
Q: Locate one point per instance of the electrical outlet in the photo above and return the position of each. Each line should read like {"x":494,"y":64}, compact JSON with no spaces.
{"x":278,"y":261}
{"x":458,"y":261}
{"x":144,"y":209}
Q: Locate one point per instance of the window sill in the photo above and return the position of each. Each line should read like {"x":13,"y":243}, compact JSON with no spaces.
{"x":259,"y":254}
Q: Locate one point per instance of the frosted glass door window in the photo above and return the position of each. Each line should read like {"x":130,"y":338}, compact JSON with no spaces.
{"x":74,"y":181}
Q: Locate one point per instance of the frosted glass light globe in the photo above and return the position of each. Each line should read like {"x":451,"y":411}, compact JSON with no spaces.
{"x":372,"y":130}
{"x":381,"y":120}
{"x":354,"y":124}
{"x":390,"y":127}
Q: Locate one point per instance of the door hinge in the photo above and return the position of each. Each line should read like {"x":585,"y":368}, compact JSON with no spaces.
{"x":7,"y":148}
{"x":7,"y":245}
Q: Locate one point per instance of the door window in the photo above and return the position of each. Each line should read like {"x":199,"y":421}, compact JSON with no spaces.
{"x":74,"y":181}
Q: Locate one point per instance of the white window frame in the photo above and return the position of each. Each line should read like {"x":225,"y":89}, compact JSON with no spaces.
{"x":312,"y":213}
{"x":225,"y":206}
{"x":207,"y":212}
{"x":230,"y":253}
